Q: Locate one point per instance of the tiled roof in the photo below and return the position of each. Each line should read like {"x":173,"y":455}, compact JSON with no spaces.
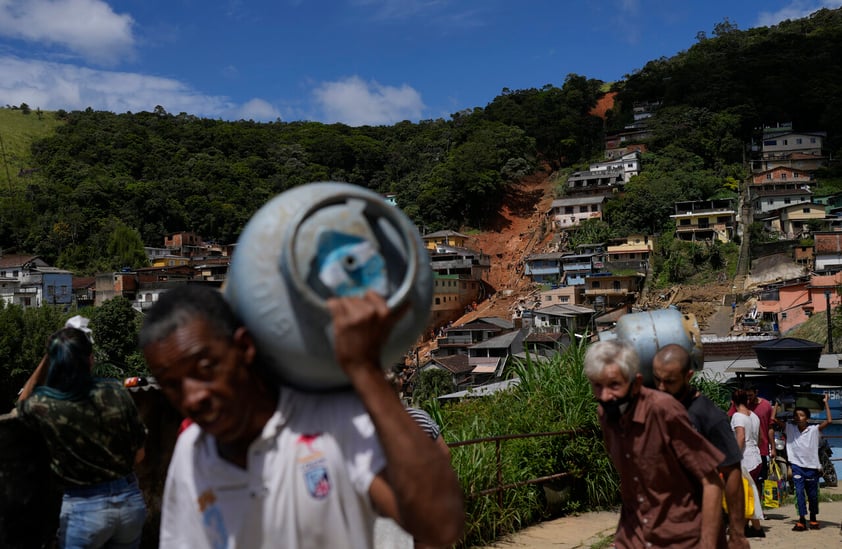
{"x":828,"y":243}
{"x":16,"y":260}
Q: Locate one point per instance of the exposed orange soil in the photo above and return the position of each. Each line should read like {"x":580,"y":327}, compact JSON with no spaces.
{"x":519,"y":229}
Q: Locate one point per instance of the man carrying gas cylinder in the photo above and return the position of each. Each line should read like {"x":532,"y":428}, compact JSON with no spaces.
{"x":265,"y":465}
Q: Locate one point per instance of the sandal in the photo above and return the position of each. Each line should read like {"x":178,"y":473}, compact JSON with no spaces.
{"x":799,"y":527}
{"x":814,"y":525}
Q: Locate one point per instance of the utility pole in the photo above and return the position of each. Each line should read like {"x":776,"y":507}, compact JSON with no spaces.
{"x":829,"y":322}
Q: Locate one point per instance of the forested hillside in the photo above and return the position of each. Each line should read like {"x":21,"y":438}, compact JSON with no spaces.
{"x":104,"y":179}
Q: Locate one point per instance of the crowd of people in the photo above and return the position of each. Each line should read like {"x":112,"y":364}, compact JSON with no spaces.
{"x":680,"y":456}
{"x":262,"y":464}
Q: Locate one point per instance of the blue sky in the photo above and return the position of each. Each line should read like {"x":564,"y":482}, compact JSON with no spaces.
{"x":351,"y":61}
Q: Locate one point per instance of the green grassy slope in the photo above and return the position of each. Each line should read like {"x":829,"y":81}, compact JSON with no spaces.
{"x":17,"y":132}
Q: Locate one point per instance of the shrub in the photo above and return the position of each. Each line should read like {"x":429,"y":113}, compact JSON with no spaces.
{"x":553,"y":395}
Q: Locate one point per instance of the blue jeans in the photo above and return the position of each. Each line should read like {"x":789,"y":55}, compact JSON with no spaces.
{"x":110,"y":514}
{"x":806,"y":480}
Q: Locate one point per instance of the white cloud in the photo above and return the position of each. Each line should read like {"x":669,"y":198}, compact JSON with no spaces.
{"x":356,"y":102}
{"x":88,"y":28}
{"x":53,"y":86}
{"x":256,"y":109}
{"x":795,"y":10}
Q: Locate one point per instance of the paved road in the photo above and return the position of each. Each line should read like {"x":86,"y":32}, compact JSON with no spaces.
{"x":589,"y":529}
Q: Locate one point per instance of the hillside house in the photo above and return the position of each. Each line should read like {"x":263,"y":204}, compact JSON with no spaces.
{"x":602,"y":182}
{"x":456,"y":365}
{"x":564,"y":295}
{"x":803,"y":255}
{"x":543,"y":268}
{"x":170,"y":261}
{"x":791,"y":222}
{"x":628,"y":163}
{"x":630,"y":253}
{"x":832,"y":203}
{"x":27,"y":281}
{"x":783,"y":144}
{"x":458,"y":275}
{"x":459,"y":261}
{"x":622,"y":148}
{"x":543,"y":344}
{"x":561,"y":318}
{"x":84,"y":290}
{"x":706,"y":220}
{"x":828,"y":251}
{"x":113,"y":284}
{"x":588,"y":259}
{"x":800,"y":161}
{"x":781,"y":176}
{"x":607,"y":290}
{"x":569,"y":212}
{"x":634,"y":133}
{"x":763,"y":202}
{"x":786,"y":305}
{"x":445,"y":238}
{"x":452,"y":296}
{"x":489,"y":358}
{"x":457,"y":339}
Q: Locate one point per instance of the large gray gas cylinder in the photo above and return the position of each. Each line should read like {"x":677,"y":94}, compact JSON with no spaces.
{"x":649,"y":331}
{"x":313,"y":242}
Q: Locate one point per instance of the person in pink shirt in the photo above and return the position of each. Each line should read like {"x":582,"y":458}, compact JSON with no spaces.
{"x":764,"y":410}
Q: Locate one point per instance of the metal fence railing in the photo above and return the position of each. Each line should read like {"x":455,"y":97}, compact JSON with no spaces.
{"x":500,"y":486}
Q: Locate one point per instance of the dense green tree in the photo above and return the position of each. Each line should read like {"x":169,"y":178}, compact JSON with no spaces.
{"x":430,"y":384}
{"x":591,"y":231}
{"x":115,"y":325}
{"x":125,"y":248}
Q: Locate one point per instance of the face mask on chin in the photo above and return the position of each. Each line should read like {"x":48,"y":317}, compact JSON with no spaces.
{"x":614,"y":409}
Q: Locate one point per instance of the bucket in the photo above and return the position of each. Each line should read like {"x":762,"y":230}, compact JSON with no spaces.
{"x":313,"y":242}
{"x":649,"y":331}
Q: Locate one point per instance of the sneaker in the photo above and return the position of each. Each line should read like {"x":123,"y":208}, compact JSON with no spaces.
{"x":799,"y":527}
{"x":814,"y":525}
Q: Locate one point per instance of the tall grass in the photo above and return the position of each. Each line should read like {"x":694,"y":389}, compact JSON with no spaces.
{"x":553,"y":395}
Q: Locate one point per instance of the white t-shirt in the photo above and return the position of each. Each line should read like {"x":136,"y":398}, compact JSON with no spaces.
{"x":306,"y":484}
{"x":751,"y":426}
{"x":802,"y":447}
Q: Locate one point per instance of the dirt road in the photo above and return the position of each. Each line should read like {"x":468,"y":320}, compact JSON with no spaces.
{"x":595,"y":529}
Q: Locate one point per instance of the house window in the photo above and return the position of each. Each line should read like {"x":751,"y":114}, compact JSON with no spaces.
{"x":783,"y":176}
{"x":770,"y":143}
{"x":769,"y":176}
{"x":797,"y":140}
{"x":568,"y":209}
{"x":563,"y":298}
{"x":813,"y":140}
{"x":616,"y":285}
{"x":805,"y":210}
{"x":685,"y":222}
{"x":438,"y":301}
{"x":787,"y":200}
{"x":595,"y":284}
{"x":783,"y":316}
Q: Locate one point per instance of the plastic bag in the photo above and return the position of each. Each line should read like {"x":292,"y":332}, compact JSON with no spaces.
{"x":748,"y":490}
{"x":773,"y":492}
